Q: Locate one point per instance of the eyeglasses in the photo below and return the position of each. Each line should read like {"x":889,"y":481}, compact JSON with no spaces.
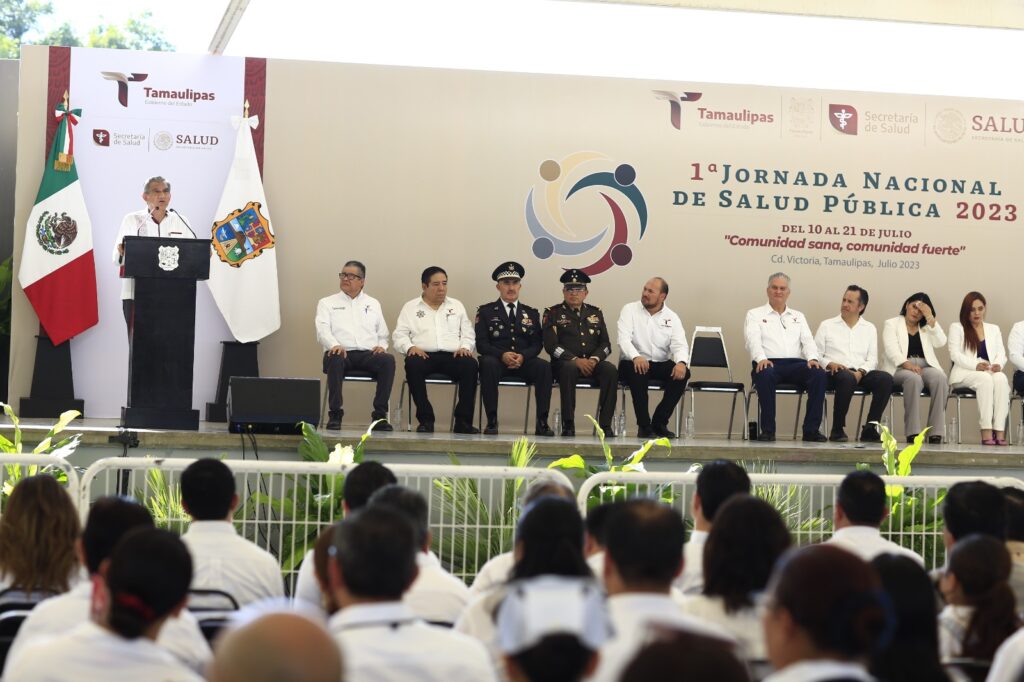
{"x":348,"y":275}
{"x":574,"y":290}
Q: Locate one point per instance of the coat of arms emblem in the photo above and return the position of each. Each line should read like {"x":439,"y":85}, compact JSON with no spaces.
{"x":242,"y":235}
{"x":167,"y":258}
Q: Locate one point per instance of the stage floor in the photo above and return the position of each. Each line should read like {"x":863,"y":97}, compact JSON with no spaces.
{"x":100,"y":439}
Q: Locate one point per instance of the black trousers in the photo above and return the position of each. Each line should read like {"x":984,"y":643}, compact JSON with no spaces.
{"x":877,"y":382}
{"x":462,"y":369}
{"x":658,"y":371}
{"x":536,"y":371}
{"x":607,"y":378}
{"x":381,"y":365}
{"x":789,"y":371}
{"x":1018,"y":382}
{"x":128,"y":306}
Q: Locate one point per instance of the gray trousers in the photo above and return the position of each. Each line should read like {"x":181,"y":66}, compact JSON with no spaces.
{"x":912,"y":383}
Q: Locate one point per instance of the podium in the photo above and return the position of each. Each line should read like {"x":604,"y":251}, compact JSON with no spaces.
{"x":162,"y":339}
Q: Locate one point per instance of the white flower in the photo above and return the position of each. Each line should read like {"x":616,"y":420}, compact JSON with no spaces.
{"x":342,"y":456}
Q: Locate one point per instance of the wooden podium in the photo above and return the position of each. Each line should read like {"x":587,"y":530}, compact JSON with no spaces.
{"x":162,"y":339}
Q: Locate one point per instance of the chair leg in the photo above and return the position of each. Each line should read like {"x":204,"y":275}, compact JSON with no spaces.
{"x":747,"y":397}
{"x":526,"y":418}
{"x":323,"y":404}
{"x":732,"y":414}
{"x":799,"y":404}
{"x":959,"y":423}
{"x":455,"y":398}
{"x":408,"y":411}
{"x":860,"y":416}
{"x":824,"y":414}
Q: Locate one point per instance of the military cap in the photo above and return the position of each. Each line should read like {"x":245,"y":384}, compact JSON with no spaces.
{"x":509,"y":270}
{"x":574,"y":276}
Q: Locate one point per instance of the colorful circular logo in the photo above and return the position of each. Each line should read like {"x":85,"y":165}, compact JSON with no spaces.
{"x":554,"y":236}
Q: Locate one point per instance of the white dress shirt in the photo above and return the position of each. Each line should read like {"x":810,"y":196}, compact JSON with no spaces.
{"x":743,"y":625}
{"x":631,"y":615}
{"x":57,"y":615}
{"x":965,"y":361}
{"x":436,"y":595}
{"x":90,"y":653}
{"x":1015,"y":345}
{"x":445,"y":329}
{"x":658,"y":337}
{"x":496,"y":571}
{"x":352,"y":323}
{"x":896,"y":342}
{"x":770,"y":334}
{"x":953,"y":623}
{"x":1008,"y":664}
{"x":820,"y":670}
{"x":385,"y":642}
{"x":222,"y":560}
{"x":867,"y":543}
{"x":141,"y":224}
{"x":306,"y":587}
{"x":854,"y":347}
{"x":691,"y":580}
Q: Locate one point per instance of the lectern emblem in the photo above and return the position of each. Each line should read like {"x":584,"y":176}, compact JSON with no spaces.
{"x":168,"y":256}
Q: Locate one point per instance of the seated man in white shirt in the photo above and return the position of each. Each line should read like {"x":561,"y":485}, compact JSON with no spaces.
{"x":436,"y":595}
{"x":782,"y":351}
{"x":653,"y":345}
{"x":224,"y":561}
{"x":373,"y":564}
{"x":859,"y":511}
{"x":110,"y":519}
{"x":351,"y":328}
{"x":274,"y":647}
{"x":143,"y":585}
{"x":436,"y":336}
{"x":644,"y":555}
{"x":717,"y":482}
{"x":849,"y":350}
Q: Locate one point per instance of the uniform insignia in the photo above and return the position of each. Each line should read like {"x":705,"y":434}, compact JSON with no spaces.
{"x":242,"y":235}
{"x":496,"y":334}
{"x":366,"y":309}
{"x":592,"y":331}
{"x":593,"y":319}
{"x":420,"y":314}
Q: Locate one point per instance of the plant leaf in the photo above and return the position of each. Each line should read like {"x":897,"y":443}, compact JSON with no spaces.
{"x":313,"y":448}
{"x":570,"y":462}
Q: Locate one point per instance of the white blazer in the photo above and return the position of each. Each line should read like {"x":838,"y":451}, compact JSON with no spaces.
{"x":964,"y":361}
{"x":896,"y":340}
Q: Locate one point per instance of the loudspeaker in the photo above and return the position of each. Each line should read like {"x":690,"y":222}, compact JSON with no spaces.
{"x":272,"y":405}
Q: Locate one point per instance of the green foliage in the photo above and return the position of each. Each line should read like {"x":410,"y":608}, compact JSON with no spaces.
{"x":138,"y":33}
{"x":793,"y":502}
{"x":164,"y":502}
{"x":59,"y":450}
{"x":6,"y":275}
{"x":18,"y":17}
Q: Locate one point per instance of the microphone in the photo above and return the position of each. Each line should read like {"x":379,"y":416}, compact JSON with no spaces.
{"x":182,"y":219}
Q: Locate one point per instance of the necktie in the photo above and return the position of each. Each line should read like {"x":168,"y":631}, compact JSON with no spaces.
{"x":511,"y":313}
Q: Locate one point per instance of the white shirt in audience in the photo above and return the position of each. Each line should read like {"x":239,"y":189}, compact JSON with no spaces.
{"x":436,"y":595}
{"x":223,"y":560}
{"x":854,"y":347}
{"x":691,"y":581}
{"x":447,"y":328}
{"x":496,"y":571}
{"x":306,"y":587}
{"x":867,"y":543}
{"x":769,"y":334}
{"x":953,"y":622}
{"x":477,"y":621}
{"x":596,"y":563}
{"x":659,"y":337}
{"x":743,"y":625}
{"x":820,"y":671}
{"x":1008,"y":663}
{"x":90,"y":653}
{"x":386,"y":642}
{"x":631,"y":614}
{"x":181,"y":636}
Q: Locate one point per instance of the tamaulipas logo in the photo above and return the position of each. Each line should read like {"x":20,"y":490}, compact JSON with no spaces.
{"x":242,"y":235}
{"x":567,"y":179}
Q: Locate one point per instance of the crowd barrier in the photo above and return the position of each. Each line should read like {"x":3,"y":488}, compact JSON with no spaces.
{"x":13,"y":468}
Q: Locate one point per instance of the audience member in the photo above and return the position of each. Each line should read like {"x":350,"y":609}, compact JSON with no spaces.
{"x":321,"y":556}
{"x":144,"y":584}
{"x":360,"y":483}
{"x":374,"y":563}
{"x":912,"y":655}
{"x":277,"y":647}
{"x":110,"y":519}
{"x":38,"y":530}
{"x":498,"y":568}
{"x":670,"y":656}
{"x":593,"y":537}
{"x":550,"y":628}
{"x":224,"y":560}
{"x":859,"y":512}
{"x":1008,"y":664}
{"x":716,"y":482}
{"x":436,"y":595}
{"x":825,"y":615}
{"x":981,"y":609}
{"x":1015,"y":541}
{"x":644,"y":555}
{"x":747,"y":539}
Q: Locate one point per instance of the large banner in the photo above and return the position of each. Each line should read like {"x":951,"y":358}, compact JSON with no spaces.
{"x":148,"y":114}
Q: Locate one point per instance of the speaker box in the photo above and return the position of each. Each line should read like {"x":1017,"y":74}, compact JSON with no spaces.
{"x":272,"y":405}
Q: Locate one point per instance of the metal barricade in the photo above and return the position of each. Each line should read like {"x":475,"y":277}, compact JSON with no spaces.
{"x":806,"y":502}
{"x":14,"y":467}
{"x":283,"y":506}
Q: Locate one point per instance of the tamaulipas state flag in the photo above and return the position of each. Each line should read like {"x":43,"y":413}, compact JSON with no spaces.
{"x":243,"y":262}
{"x":57,"y":269}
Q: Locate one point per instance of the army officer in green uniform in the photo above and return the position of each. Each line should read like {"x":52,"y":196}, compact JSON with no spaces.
{"x":509,"y":339}
{"x":576,"y":338}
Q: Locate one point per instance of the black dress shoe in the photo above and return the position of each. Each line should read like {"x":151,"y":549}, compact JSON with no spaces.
{"x":838,"y":436}
{"x":644,"y":432}
{"x":383,"y":426}
{"x":461,"y":427}
{"x":425,"y":427}
{"x":608,"y":432}
{"x":333,"y":421}
{"x":569,"y":429}
{"x":911,"y":437}
{"x":662,"y":431}
{"x":491,"y":429}
{"x":869,"y":434}
{"x":766,"y":436}
{"x":543,"y":429}
{"x":814,"y":437}
{"x":935,"y":440}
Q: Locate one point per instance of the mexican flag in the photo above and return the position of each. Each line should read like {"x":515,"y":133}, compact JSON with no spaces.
{"x":57,"y":269}
{"x":243,"y":261}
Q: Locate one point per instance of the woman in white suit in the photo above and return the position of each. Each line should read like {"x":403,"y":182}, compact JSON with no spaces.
{"x":909,"y":341}
{"x":976,"y":349}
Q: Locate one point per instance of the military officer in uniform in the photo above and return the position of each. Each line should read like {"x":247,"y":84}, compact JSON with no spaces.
{"x":576,"y":338}
{"x":509,"y":339}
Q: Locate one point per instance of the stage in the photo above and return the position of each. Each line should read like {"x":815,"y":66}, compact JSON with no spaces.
{"x":102,"y":438}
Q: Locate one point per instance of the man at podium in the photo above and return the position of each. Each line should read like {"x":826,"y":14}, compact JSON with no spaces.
{"x":156,"y":220}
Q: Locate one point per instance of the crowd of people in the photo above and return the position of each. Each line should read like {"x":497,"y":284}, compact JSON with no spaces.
{"x":620,"y":593}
